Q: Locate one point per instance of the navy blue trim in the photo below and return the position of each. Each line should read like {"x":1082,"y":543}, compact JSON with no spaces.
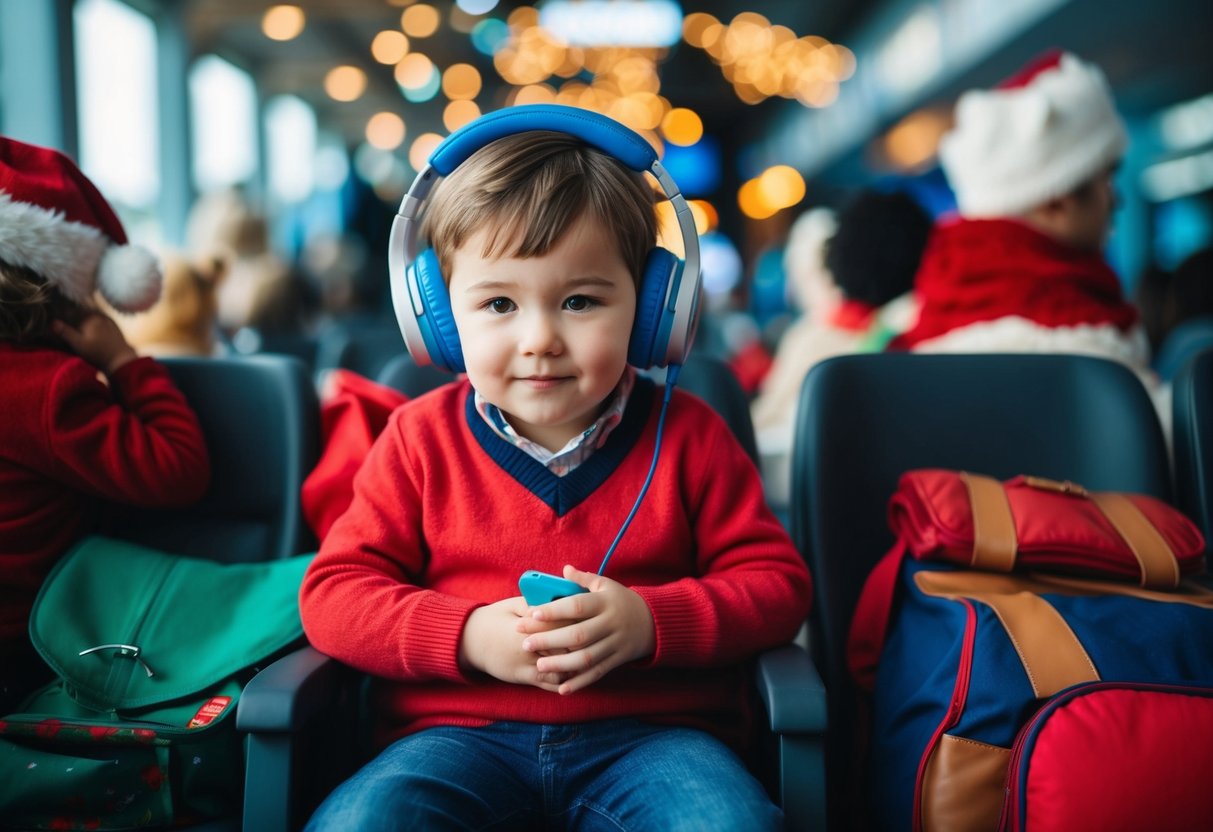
{"x":563,"y":494}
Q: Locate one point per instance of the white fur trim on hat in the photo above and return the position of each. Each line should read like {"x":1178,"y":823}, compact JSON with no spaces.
{"x":76,"y":258}
{"x":1014,"y":149}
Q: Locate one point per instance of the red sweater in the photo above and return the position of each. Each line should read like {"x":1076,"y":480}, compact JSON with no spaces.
{"x":69,"y":443}
{"x":446,"y":516}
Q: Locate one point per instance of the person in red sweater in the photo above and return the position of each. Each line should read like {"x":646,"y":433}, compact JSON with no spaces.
{"x":85,"y":419}
{"x":614,"y":707}
{"x":1021,"y":269}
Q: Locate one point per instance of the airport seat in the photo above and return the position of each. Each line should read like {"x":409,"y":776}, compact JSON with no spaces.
{"x":405,"y":375}
{"x":865,"y":419}
{"x":363,"y":347}
{"x":302,"y":345}
{"x":309,"y":698}
{"x":1192,"y":427}
{"x":1181,"y":344}
{"x":260,"y":418}
{"x":711,"y":379}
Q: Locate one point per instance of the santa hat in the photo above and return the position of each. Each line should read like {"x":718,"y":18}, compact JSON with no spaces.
{"x":1037,"y":136}
{"x":55,"y":222}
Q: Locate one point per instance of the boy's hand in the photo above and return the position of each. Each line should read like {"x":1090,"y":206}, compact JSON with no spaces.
{"x":97,"y":340}
{"x":492,"y":643}
{"x":585,"y":636}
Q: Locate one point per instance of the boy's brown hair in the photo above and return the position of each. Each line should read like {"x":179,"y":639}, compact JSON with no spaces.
{"x":29,"y":304}
{"x":528,"y":189}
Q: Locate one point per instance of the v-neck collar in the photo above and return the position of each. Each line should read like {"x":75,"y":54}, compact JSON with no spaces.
{"x":565,"y":493}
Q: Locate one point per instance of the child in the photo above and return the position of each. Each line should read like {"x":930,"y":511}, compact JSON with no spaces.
{"x":85,"y":419}
{"x":601,"y":708}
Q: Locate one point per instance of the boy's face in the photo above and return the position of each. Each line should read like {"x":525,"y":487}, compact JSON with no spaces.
{"x":545,"y":338}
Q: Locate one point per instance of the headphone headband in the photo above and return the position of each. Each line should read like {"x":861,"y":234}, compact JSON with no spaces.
{"x":605,"y":134}
{"x":675,"y":310}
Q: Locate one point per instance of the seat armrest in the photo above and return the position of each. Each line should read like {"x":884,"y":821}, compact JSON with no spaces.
{"x":795,"y":700}
{"x":290,"y":692}
{"x":792,"y":691}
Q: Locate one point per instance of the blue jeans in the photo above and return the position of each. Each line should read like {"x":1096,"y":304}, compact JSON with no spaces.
{"x":611,"y":775}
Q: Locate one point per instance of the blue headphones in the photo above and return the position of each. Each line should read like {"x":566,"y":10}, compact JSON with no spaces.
{"x":667,"y":303}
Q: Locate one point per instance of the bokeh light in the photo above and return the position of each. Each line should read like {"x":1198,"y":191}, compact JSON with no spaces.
{"x":420,"y":21}
{"x":385,"y":131}
{"x":345,"y":83}
{"x":422,"y":147}
{"x":389,"y":46}
{"x":458,"y":113}
{"x":283,"y":22}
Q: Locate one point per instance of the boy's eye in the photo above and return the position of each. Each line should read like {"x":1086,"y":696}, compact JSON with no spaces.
{"x":500,"y":305}
{"x":579,"y":303}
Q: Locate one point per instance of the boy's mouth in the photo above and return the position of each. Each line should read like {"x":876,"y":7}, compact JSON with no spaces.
{"x":543,"y":382}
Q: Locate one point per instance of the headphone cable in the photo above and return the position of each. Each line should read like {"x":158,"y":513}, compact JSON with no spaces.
{"x":671,"y":378}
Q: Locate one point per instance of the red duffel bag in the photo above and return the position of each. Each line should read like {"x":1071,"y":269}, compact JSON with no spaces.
{"x":1039,"y":524}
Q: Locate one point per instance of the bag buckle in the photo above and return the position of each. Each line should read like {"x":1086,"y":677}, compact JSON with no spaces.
{"x":1060,"y":486}
{"x":131,"y":650}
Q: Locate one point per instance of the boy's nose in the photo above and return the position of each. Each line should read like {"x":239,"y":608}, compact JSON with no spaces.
{"x":540,"y":335}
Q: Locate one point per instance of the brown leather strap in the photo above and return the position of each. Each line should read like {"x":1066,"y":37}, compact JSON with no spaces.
{"x":962,"y":788}
{"x":1188,"y":592}
{"x":1159,"y":567}
{"x":1053,"y":658}
{"x":994,"y":541}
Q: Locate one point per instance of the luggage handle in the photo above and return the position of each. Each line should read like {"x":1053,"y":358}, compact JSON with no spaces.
{"x":995,"y":544}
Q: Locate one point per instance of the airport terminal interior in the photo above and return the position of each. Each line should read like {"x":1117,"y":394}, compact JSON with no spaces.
{"x":939,"y":271}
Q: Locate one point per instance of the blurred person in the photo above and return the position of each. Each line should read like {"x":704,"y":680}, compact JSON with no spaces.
{"x":86,"y":420}
{"x":851,"y":273}
{"x":333,"y":263}
{"x":224,"y":224}
{"x":1153,"y":300}
{"x":1184,"y":318}
{"x":1021,"y":269}
{"x":1192,"y":288}
{"x":813,"y":292}
{"x":873,"y":258}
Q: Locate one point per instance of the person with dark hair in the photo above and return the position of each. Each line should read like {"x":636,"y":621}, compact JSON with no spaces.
{"x":873,"y":257}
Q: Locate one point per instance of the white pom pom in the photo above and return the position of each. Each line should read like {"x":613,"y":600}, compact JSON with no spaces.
{"x":129,"y":278}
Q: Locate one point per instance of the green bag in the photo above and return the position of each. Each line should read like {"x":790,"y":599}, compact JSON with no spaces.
{"x":151,"y":651}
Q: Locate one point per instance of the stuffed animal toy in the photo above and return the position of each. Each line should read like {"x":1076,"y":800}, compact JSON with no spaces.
{"x":183,"y":321}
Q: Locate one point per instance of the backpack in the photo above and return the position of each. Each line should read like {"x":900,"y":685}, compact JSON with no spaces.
{"x":1002,"y":696}
{"x":151,"y":652}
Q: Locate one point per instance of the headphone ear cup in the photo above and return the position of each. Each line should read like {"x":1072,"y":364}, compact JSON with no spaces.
{"x":648,"y":344}
{"x":438,"y":324}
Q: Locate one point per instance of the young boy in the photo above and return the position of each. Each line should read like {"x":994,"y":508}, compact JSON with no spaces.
{"x":602,"y":709}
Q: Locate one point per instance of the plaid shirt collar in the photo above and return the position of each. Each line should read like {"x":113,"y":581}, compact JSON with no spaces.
{"x":580,"y":447}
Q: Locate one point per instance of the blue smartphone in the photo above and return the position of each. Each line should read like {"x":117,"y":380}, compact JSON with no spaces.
{"x":540,"y":588}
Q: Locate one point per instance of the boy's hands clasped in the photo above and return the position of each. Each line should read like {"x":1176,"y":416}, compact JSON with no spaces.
{"x":562,"y":646}
{"x":581,"y":638}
